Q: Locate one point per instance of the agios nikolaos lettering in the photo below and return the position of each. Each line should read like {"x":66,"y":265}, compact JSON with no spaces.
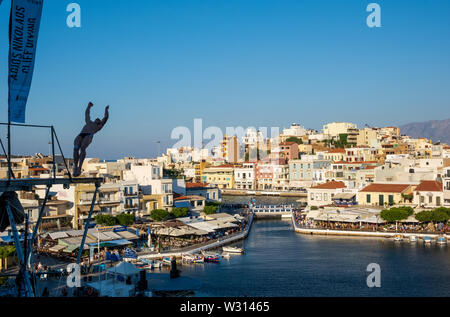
{"x":24,"y":28}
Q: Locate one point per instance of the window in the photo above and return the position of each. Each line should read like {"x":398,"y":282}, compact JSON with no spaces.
{"x":325,"y":196}
{"x":368,"y":198}
{"x":430,"y":199}
{"x":391,"y":199}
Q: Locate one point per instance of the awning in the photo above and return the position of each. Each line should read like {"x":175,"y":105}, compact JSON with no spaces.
{"x":57,"y":248}
{"x":127,"y":235}
{"x":87,"y":208}
{"x":345,"y":196}
{"x":112,"y":243}
{"x":58,"y":235}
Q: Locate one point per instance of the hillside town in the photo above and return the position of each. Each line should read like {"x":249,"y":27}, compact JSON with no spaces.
{"x":340,"y":166}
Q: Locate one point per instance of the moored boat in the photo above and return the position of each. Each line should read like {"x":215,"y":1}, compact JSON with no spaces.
{"x":212,"y":258}
{"x":199,"y":259}
{"x":441,"y":241}
{"x":232,"y":249}
{"x":412,"y":239}
{"x":427,"y":240}
{"x":188,"y":258}
{"x":167,"y":260}
{"x":398,"y":237}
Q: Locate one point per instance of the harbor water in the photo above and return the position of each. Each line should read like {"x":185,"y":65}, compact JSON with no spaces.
{"x":279,"y":262}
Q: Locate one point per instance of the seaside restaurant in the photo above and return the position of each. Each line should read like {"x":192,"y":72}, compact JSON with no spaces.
{"x":353,"y":218}
{"x":345,"y":199}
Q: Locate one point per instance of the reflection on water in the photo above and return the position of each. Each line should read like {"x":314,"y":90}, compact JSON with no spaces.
{"x":279,"y":262}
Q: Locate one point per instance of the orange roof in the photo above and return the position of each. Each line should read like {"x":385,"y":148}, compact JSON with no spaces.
{"x":287,"y":143}
{"x":338,"y":150}
{"x":429,"y":186}
{"x":196,"y":185}
{"x":330,"y":185}
{"x":362,"y":162}
{"x":385,"y":188}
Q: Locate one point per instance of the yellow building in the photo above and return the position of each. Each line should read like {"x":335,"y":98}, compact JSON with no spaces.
{"x":230,"y":149}
{"x":367,"y":137}
{"x":378,"y":194}
{"x":222,"y":176}
{"x":107,"y":201}
{"x":199,"y":170}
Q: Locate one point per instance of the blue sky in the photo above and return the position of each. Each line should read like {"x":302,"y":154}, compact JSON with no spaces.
{"x":160,"y":64}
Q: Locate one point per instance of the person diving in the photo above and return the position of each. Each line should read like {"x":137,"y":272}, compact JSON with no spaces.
{"x":85,"y":137}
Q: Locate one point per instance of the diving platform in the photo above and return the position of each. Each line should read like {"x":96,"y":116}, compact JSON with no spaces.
{"x":27,"y":184}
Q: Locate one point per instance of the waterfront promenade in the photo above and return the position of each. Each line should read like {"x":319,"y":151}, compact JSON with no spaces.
{"x":211,"y":244}
{"x":354,"y":232}
{"x":245,"y":192}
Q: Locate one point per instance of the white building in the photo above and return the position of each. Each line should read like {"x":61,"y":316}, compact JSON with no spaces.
{"x":335,"y":128}
{"x":244,"y":177}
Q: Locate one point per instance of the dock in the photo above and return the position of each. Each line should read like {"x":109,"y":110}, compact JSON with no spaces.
{"x":203,"y":247}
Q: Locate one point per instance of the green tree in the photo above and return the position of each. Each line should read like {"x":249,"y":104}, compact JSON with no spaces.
{"x":105,"y":219}
{"x":436,"y":215}
{"x":342,"y":142}
{"x":396,"y":213}
{"x":180,"y":212}
{"x":294,"y":139}
{"x":125,"y":219}
{"x":159,"y":214}
{"x":210,"y":210}
{"x":213,"y":203}
{"x":6,"y":251}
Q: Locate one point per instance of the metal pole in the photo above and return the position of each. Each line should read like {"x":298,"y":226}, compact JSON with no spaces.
{"x":86,"y":225}
{"x":6,"y":155}
{"x":20,"y":255}
{"x":62,"y":154}
{"x":36,"y":227}
{"x":9,"y":146}
{"x":53,"y":152}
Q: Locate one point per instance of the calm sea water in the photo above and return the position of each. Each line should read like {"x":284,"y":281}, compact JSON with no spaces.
{"x":280,"y":262}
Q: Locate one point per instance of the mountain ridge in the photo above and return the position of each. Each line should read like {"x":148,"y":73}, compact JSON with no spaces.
{"x":436,"y":130}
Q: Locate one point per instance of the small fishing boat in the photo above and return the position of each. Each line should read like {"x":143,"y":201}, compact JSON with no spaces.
{"x":212,"y":258}
{"x":427,"y":240}
{"x":199,"y":258}
{"x":441,"y":241}
{"x":188,"y":258}
{"x":167,"y":260}
{"x":398,"y":237}
{"x":412,"y":238}
{"x":232,"y":250}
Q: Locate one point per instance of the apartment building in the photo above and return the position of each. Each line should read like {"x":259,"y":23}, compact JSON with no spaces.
{"x":244,"y":176}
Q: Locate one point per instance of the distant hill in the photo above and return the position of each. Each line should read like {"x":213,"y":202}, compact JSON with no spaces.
{"x":436,"y":130}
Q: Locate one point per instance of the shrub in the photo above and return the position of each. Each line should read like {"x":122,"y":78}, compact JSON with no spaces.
{"x":294,"y":139}
{"x":213,"y":203}
{"x":125,"y":219}
{"x":105,"y":219}
{"x":210,"y":210}
{"x":159,"y":214}
{"x":6,"y":251}
{"x":180,"y":212}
